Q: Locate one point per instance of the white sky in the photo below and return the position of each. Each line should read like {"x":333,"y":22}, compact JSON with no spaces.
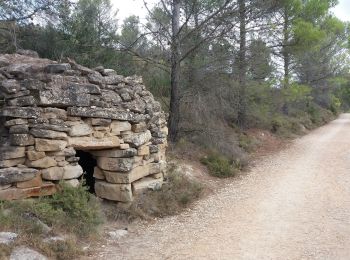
{"x":136,"y":7}
{"x":342,"y":10}
{"x":131,"y":7}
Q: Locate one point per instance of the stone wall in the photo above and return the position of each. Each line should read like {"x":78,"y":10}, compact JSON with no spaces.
{"x":51,"y":110}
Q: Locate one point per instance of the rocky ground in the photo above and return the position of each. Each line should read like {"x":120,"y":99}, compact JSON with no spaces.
{"x":291,"y":205}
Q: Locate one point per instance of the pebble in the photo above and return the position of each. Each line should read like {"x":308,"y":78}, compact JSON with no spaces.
{"x":7,"y":237}
{"x":25,"y":253}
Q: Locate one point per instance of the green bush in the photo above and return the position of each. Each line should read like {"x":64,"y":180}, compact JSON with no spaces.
{"x":319,"y":115}
{"x":247,"y":143}
{"x":219,"y":165}
{"x":79,"y":206}
{"x":72,"y":210}
{"x":281,"y":125}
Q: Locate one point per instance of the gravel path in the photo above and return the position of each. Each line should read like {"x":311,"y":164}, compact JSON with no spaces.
{"x":292,"y":205}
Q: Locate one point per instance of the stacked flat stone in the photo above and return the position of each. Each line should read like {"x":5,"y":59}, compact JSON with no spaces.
{"x":52,"y":109}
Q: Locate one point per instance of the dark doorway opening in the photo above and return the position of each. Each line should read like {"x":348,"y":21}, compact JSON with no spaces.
{"x":88,"y":163}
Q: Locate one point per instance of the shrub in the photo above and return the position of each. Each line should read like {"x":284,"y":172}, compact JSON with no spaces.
{"x":79,"y":206}
{"x":247,"y":143}
{"x":72,"y":211}
{"x":177,"y":192}
{"x":62,"y":250}
{"x":219,"y":165}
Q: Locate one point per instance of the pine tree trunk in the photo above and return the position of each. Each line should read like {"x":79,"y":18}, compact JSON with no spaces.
{"x":285,"y":51}
{"x":174,"y":116}
{"x":242,"y":66}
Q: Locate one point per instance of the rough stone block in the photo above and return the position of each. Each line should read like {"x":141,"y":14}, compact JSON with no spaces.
{"x":147,"y":183}
{"x":98,"y":174}
{"x":4,"y":187}
{"x":91,"y":143}
{"x":120,"y":126}
{"x":153,"y":148}
{"x":14,"y":174}
{"x":127,"y":177}
{"x":115,"y":153}
{"x":42,"y":163}
{"x":101,"y":122}
{"x":110,"y":113}
{"x":11,"y":152}
{"x":35,"y":182}
{"x":19,"y":129}
{"x":22,"y":112}
{"x":22,"y":101}
{"x":53,"y":173}
{"x":11,"y":162}
{"x":113,"y":79}
{"x":46,"y":145}
{"x":138,"y":139}
{"x":116,"y":164}
{"x":84,"y":88}
{"x":46,"y":189}
{"x":80,"y":129}
{"x":57,"y":68}
{"x":72,"y":172}
{"x":103,"y":129}
{"x":54,"y":127}
{"x":52,"y":112}
{"x":159,"y":156}
{"x":143,"y":150}
{"x":61,"y":98}
{"x":116,"y":192}
{"x":10,"y":86}
{"x":157,"y":167}
{"x":140,"y":127}
{"x":17,"y":121}
{"x":98,"y":135}
{"x":21,"y":139}
{"x":124,"y":146}
{"x":62,"y":173}
{"x":34,"y":155}
{"x":49,"y":134}
{"x":157,"y":175}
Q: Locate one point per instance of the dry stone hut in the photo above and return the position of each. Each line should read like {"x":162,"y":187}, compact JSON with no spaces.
{"x":60,"y":120}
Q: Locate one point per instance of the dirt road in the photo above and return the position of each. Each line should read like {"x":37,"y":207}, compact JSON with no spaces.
{"x":292,"y":205}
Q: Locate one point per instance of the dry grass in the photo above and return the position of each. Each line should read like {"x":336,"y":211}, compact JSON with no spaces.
{"x":177,"y":193}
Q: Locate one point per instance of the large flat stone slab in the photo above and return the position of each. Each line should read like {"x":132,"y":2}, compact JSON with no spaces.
{"x":21,"y":112}
{"x":91,"y":143}
{"x":62,"y":173}
{"x":21,"y":139}
{"x":115,"y":153}
{"x":80,"y":129}
{"x":14,"y":174}
{"x":35,"y":182}
{"x":11,"y":162}
{"x":116,"y":164}
{"x":127,"y":177}
{"x":49,"y":134}
{"x":147,"y":183}
{"x":116,"y":192}
{"x":47,"y":145}
{"x":110,"y":113}
{"x":47,"y":188}
{"x":11,"y":152}
{"x":42,"y":163}
{"x":138,"y":139}
{"x":66,"y":95}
